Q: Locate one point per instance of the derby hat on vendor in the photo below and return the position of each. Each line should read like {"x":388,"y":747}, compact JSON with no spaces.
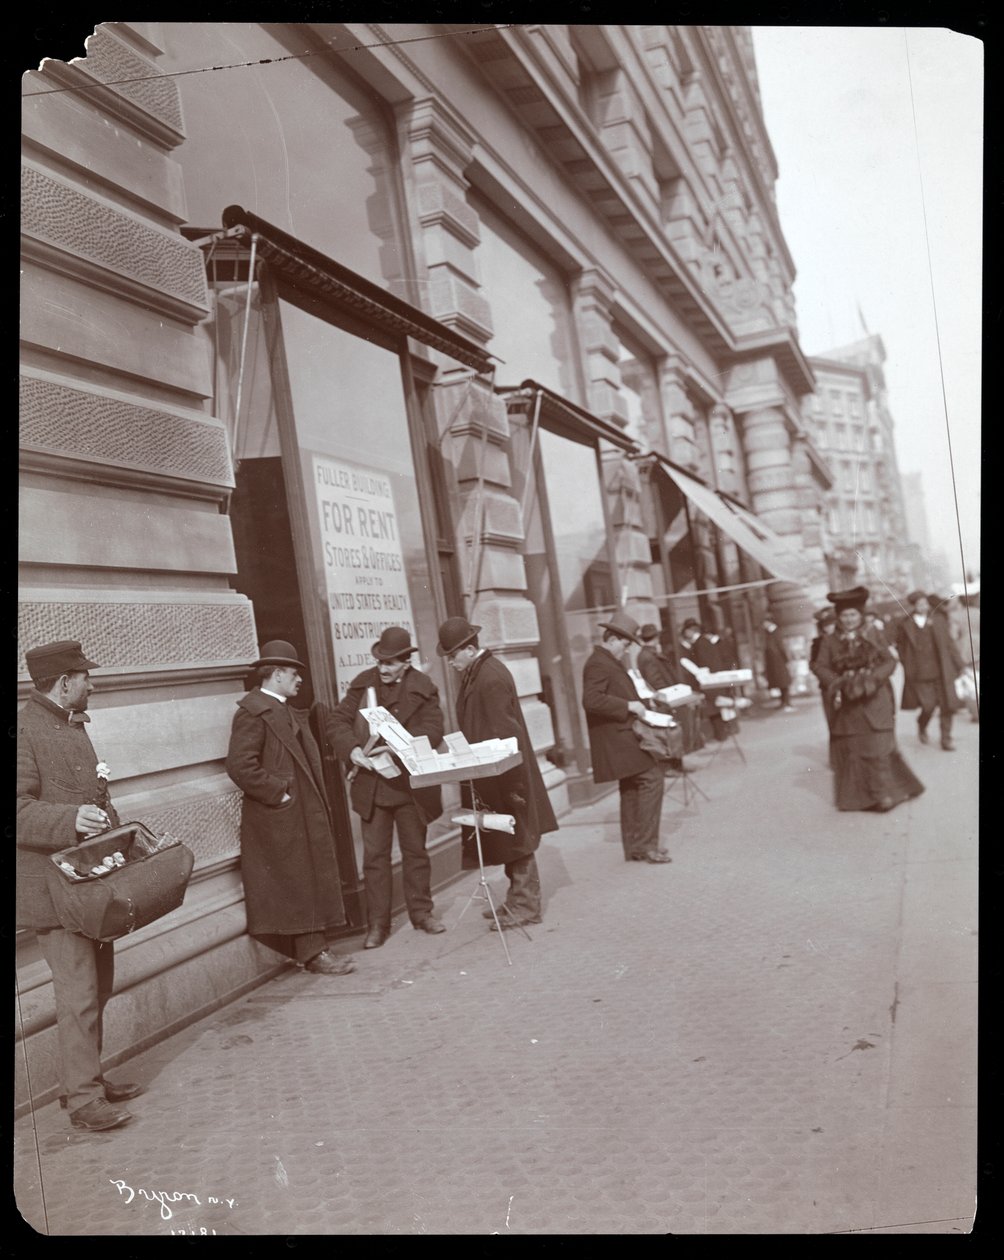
{"x":622,"y":625}
{"x":394,"y":644}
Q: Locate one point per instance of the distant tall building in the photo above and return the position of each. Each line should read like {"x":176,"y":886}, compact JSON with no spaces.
{"x":866,"y":537}
{"x":915,"y":508}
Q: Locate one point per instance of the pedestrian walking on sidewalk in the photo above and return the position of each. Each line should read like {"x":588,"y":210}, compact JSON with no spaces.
{"x":775,"y":664}
{"x":611,"y":702}
{"x":385,"y":805}
{"x":488,"y":708}
{"x":855,"y":671}
{"x":931,"y":664}
{"x":826,"y":624}
{"x":62,"y":800}
{"x":292,"y":887}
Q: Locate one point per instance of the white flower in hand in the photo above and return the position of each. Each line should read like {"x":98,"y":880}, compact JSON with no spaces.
{"x":103,"y":770}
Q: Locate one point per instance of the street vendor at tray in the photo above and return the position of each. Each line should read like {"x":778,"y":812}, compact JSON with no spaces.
{"x":386,"y":805}
{"x":488,"y":708}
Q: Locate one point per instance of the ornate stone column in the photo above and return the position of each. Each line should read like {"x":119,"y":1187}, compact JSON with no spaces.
{"x":681,"y":442}
{"x":592,"y":306}
{"x":489,"y":525}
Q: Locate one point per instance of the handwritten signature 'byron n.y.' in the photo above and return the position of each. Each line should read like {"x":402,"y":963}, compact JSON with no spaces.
{"x":164,"y":1197}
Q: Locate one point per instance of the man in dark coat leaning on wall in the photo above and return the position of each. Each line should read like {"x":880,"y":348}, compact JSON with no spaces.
{"x":611,"y":703}
{"x":385,"y":804}
{"x":292,"y":890}
{"x":488,"y":708}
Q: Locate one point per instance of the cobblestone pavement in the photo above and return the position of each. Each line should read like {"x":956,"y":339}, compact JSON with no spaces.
{"x":775,"y":1034}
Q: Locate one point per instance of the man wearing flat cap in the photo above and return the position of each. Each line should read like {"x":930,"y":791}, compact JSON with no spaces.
{"x":488,"y":708}
{"x":931,"y":664}
{"x":611,"y":703}
{"x":292,"y":889}
{"x":61,"y":801}
{"x":384,"y":805}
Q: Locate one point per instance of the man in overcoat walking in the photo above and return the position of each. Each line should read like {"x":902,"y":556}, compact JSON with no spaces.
{"x":775,"y":663}
{"x":488,"y":708}
{"x":931,"y":664}
{"x":611,"y":703}
{"x":292,"y":890}
{"x":385,"y":804}
{"x":61,"y":801}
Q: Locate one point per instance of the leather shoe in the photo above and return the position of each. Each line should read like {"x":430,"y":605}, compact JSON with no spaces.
{"x":922,"y":735}
{"x":114,"y":1093}
{"x":98,"y":1115}
{"x":502,"y":911}
{"x":431,"y":925}
{"x":508,"y":923}
{"x":375,"y":937}
{"x":327,"y":964}
{"x":948,"y":745}
{"x":653,"y":855}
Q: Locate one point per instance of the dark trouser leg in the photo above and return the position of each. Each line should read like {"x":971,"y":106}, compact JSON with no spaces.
{"x":945,"y":723}
{"x":416,"y":869}
{"x":784,"y":697}
{"x":924,"y":719}
{"x":641,"y":811}
{"x":378,"y":836}
{"x":81,"y":982}
{"x":523,"y":898}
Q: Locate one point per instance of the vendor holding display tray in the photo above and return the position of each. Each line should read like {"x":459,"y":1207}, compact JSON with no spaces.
{"x":488,"y":708}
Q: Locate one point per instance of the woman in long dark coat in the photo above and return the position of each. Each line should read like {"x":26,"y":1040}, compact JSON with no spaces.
{"x":855,"y":673}
{"x":488,"y":708}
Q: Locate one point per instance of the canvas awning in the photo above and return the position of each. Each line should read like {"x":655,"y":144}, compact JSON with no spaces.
{"x":777,"y":555}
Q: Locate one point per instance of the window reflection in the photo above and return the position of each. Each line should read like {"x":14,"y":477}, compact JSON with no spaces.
{"x":530,"y":310}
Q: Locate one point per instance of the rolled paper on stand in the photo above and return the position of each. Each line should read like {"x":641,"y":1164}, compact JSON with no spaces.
{"x":487,"y":822}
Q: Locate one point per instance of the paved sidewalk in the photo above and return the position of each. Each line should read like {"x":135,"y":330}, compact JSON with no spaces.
{"x":775,"y":1034}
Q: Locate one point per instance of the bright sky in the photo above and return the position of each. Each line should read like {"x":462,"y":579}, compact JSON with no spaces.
{"x":871,"y":127}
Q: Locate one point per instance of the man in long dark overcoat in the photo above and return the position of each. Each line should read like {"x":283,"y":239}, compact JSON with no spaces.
{"x":931,"y":664}
{"x":292,"y":889}
{"x":611,"y":703}
{"x":385,"y":804}
{"x":775,"y":663}
{"x":61,"y":801}
{"x":488,"y":708}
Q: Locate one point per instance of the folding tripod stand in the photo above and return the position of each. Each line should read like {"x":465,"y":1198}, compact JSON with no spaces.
{"x":688,"y":784}
{"x":719,"y":744}
{"x":475,"y":817}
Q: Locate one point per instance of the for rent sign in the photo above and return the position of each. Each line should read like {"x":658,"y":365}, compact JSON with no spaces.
{"x":366,"y":583}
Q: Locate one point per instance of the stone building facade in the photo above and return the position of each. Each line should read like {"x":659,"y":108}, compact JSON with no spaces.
{"x":848,"y":416}
{"x":512,"y":290}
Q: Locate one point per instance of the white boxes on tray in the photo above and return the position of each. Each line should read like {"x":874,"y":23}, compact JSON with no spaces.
{"x":426,"y":767}
{"x":675,"y":694}
{"x":725,"y":678}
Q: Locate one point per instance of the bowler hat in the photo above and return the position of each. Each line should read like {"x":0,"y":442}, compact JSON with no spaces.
{"x":622,"y":625}
{"x":278,"y":652}
{"x":824,"y":615}
{"x":455,"y":633}
{"x":855,"y":597}
{"x":915,"y":595}
{"x":690,"y":622}
{"x":394,"y":642}
{"x":648,"y":631}
{"x":53,"y":659}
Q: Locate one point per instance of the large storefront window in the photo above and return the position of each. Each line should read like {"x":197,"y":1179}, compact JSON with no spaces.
{"x":529,"y":305}
{"x":581,"y":578}
{"x":324,"y":171}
